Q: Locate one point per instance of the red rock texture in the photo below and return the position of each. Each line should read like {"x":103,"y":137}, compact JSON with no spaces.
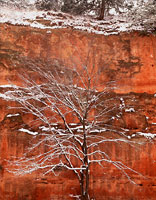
{"x":128,"y":55}
{"x":130,"y":60}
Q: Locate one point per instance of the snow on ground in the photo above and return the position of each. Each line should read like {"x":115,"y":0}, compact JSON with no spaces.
{"x":58,"y":20}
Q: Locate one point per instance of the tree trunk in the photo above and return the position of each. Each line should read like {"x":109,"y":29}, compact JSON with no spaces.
{"x":84,"y":182}
{"x":102,"y":10}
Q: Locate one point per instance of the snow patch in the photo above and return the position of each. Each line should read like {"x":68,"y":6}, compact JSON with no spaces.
{"x":27,"y":131}
{"x":122,"y":105}
{"x":72,"y":124}
{"x":4,"y":96}
{"x":147,"y":135}
{"x":129,"y":110}
{"x":43,"y":128}
{"x":75,"y":196}
{"x":9,"y":86}
{"x":47,"y":129}
{"x":13,"y":115}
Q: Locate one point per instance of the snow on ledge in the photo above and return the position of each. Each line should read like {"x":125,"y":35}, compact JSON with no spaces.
{"x":129,"y":110}
{"x":27,"y":131}
{"x":147,"y":135}
{"x":13,"y":115}
{"x":4,"y":96}
{"x":9,"y":86}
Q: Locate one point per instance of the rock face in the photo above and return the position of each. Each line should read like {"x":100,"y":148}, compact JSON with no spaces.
{"x":129,"y":59}
{"x":127,"y":55}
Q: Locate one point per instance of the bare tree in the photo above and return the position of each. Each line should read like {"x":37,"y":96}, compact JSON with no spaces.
{"x":73,"y":116}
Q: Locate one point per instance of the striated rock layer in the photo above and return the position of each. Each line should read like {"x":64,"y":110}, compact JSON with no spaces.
{"x":130,"y":60}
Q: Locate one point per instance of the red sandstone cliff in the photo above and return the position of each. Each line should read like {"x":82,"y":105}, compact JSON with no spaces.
{"x":127,"y":58}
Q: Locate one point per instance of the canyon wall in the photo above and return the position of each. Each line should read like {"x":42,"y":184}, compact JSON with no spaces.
{"x":129,"y":59}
